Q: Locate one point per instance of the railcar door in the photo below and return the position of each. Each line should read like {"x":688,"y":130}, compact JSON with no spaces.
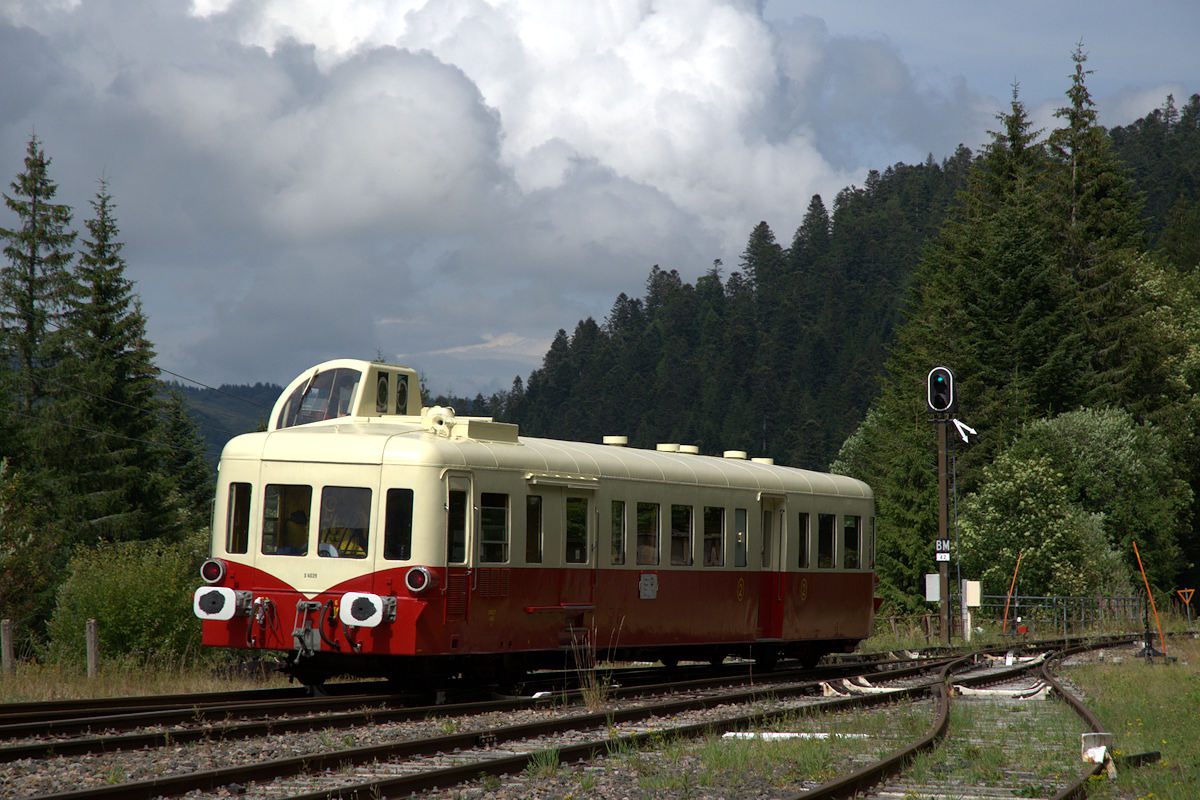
{"x":577,"y":584}
{"x":772,"y":582}
{"x":459,"y":544}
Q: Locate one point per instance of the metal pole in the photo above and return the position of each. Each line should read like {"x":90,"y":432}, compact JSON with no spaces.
{"x":943,"y":566}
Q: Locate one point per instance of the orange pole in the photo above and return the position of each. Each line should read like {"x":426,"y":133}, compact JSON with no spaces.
{"x":1155,"y":610}
{"x":1004,"y":627}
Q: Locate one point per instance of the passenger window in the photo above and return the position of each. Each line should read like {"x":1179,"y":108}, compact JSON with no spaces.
{"x":714,"y":536}
{"x":493,"y":527}
{"x":851,"y":529}
{"x":768,"y":518}
{"x":285,"y":519}
{"x":533,"y":529}
{"x":681,"y":535}
{"x":345,"y":521}
{"x":577,"y":530}
{"x":397,"y":530}
{"x":869,"y":545}
{"x":804,"y":538}
{"x":825,"y":523}
{"x":456,"y":526}
{"x":740,"y":537}
{"x":617,"y":555}
{"x":237,"y":520}
{"x":647,"y":533}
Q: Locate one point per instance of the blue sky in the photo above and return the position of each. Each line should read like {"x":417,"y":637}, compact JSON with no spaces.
{"x":448,"y":183}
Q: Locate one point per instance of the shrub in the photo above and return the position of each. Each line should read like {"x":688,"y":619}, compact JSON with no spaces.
{"x":139,"y":593}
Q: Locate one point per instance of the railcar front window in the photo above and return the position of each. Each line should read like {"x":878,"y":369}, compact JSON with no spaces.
{"x":805,"y":539}
{"x":618,"y":532}
{"x":576,"y":530}
{"x":345,"y":522}
{"x":533,"y":529}
{"x":493,"y":527}
{"x":681,"y":535}
{"x":741,"y":534}
{"x":397,"y":528}
{"x":326,"y":396}
{"x":286,"y":512}
{"x":456,"y":527}
{"x":714,"y":536}
{"x":647,"y":533}
{"x":237,"y":520}
{"x":825,"y":523}
{"x":851,"y":531}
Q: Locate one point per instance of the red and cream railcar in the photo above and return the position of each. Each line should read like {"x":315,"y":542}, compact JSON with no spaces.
{"x":366,"y":535}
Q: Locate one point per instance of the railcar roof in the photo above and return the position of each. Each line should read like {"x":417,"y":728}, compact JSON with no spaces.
{"x":356,"y":442}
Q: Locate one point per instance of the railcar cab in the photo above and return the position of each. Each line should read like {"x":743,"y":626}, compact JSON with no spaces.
{"x":343,"y":388}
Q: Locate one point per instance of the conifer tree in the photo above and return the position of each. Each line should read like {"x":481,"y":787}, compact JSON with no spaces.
{"x":34,"y":283}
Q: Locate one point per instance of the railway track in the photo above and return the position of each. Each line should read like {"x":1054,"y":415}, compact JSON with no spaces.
{"x":381,"y":751}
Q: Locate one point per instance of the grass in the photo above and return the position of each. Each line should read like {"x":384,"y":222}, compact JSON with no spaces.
{"x":124,"y":677}
{"x":1149,"y":707}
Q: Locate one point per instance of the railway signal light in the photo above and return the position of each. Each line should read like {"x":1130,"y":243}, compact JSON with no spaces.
{"x":940,"y":390}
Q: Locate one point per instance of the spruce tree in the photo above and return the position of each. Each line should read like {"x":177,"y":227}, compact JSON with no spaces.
{"x":34,"y":284}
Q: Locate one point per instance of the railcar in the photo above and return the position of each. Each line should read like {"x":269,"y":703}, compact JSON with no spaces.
{"x":364,"y":534}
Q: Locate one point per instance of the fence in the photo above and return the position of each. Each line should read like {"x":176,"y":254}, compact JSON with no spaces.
{"x":8,"y":663}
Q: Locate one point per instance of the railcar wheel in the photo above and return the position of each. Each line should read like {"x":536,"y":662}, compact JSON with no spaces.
{"x":766,"y":659}
{"x":670,"y":661}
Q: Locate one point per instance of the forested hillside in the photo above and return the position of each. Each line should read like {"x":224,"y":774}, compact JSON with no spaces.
{"x":1056,"y":273}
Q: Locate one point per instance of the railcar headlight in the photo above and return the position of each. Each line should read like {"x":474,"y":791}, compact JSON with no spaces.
{"x":212,"y":570}
{"x":419,"y":580}
{"x":366,"y":610}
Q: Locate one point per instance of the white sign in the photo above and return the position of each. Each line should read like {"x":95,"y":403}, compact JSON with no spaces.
{"x":964,"y":429}
{"x":943,"y":556}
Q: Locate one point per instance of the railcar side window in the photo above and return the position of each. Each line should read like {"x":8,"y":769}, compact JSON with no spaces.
{"x":851,"y":530}
{"x":345,"y":522}
{"x":533,"y":529}
{"x":617,"y":555}
{"x":714,"y":536}
{"x":285,"y":519}
{"x":493,"y":527}
{"x":237,"y":521}
{"x":681,"y":535}
{"x":805,"y":536}
{"x":577,"y":530}
{"x":397,"y":528}
{"x":456,"y":526}
{"x":825,"y":523}
{"x":741,"y":535}
{"x":647,"y":533}
{"x":869,"y":546}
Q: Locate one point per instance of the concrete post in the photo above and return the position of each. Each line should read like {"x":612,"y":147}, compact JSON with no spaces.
{"x":92,"y":635}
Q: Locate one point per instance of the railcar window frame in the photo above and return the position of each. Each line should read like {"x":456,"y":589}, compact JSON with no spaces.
{"x":851,"y":534}
{"x":804,"y":536}
{"x":575,"y":530}
{"x":456,"y":526}
{"x":493,"y":528}
{"x":533,"y":528}
{"x":714,"y":536}
{"x":826,"y":524}
{"x":617,"y":530}
{"x":397,"y":525}
{"x":286,"y":507}
{"x":341,"y":505}
{"x":237,"y":518}
{"x":741,"y":527}
{"x":681,"y":534}
{"x":648,"y":534}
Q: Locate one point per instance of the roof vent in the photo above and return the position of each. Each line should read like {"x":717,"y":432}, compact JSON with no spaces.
{"x":740,"y":455}
{"x":691,"y":449}
{"x":763,"y":460}
{"x":616,"y":441}
{"x":668,"y":448}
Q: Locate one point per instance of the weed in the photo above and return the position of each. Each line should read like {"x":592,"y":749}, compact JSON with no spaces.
{"x":543,"y":764}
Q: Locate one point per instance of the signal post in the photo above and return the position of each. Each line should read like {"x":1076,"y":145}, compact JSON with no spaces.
{"x":941,"y":398}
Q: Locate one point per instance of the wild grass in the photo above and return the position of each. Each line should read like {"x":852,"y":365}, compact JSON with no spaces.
{"x":124,"y":677}
{"x":1149,"y":707}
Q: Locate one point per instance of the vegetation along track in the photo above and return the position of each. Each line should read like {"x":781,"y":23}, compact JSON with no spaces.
{"x":385,"y":758}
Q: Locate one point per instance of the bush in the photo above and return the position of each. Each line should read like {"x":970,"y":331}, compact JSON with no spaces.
{"x":139,"y":593}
